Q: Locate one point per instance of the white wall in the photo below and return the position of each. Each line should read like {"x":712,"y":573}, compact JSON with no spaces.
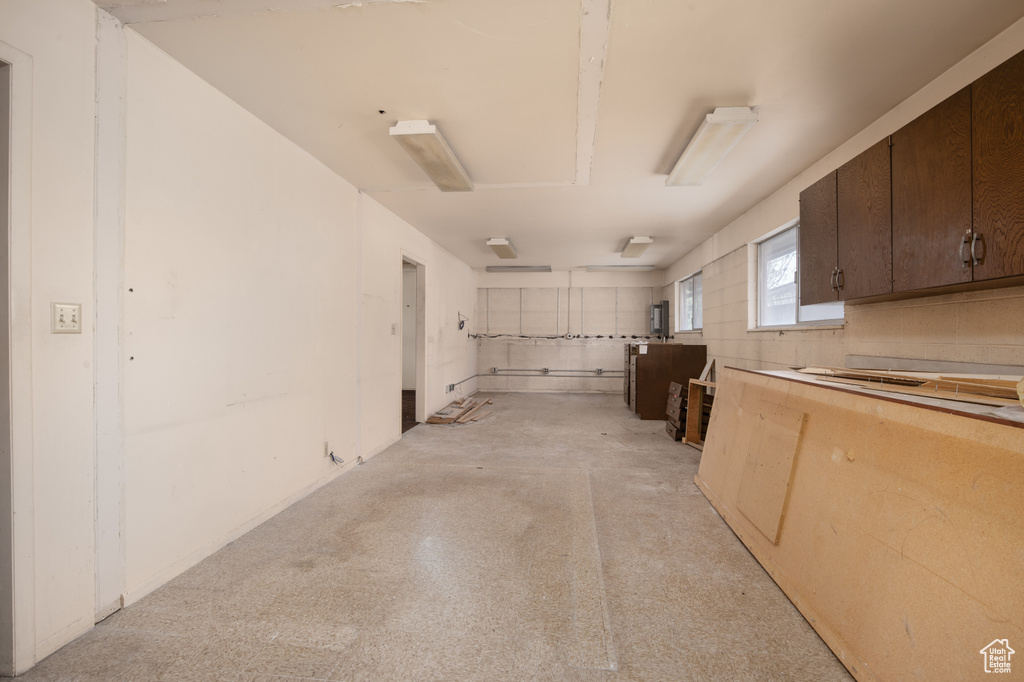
{"x":240,"y":280}
{"x":450,"y":353}
{"x":51,"y":43}
{"x":263,"y":318}
{"x":251,"y":282}
{"x":525,"y":318}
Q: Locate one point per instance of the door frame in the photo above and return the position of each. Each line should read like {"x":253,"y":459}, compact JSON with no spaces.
{"x":421,"y":334}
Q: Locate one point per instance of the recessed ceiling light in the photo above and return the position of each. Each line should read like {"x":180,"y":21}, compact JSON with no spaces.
{"x":636,"y":247}
{"x":518,"y":268}
{"x":502,"y":247}
{"x":716,"y":137}
{"x":621,"y":268}
{"x":428,"y":149}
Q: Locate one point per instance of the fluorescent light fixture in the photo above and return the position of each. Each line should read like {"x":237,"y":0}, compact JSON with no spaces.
{"x":518,"y":268}
{"x":715,"y":138}
{"x":428,"y":149}
{"x":636,"y":247}
{"x":621,"y":268}
{"x":502,"y":247}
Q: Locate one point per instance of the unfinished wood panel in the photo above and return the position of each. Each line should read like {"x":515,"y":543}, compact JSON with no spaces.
{"x":818,"y":242}
{"x":864,"y":218}
{"x":998,"y":132}
{"x":902,"y":524}
{"x":769,"y":467}
{"x":931,"y":197}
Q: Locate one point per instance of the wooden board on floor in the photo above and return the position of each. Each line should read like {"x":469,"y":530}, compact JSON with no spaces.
{"x":899,"y":529}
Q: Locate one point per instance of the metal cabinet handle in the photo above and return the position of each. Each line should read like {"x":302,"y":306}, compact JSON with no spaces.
{"x":963,"y":242}
{"x":974,"y":254}
{"x":832,"y":279}
{"x":840,"y":279}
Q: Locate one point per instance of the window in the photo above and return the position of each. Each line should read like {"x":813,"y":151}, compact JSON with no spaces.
{"x":690,"y":308}
{"x":778,"y":294}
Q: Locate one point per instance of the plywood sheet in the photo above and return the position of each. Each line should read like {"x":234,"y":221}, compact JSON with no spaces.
{"x":901,"y":524}
{"x":769,"y":466}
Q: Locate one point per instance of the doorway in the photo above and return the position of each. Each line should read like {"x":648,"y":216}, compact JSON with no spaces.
{"x":409,"y":329}
{"x":414,"y":341}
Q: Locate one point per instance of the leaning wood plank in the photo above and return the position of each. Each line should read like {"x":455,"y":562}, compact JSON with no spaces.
{"x":891,"y":512}
{"x":463,"y":418}
{"x":1005,"y":383}
{"x":923,"y":392}
{"x":694,"y":413}
{"x":480,"y":416}
{"x":440,"y":420}
{"x":954,"y":385}
{"x":706,"y":372}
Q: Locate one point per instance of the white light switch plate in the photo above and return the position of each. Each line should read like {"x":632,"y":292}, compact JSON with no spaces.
{"x":65,"y":318}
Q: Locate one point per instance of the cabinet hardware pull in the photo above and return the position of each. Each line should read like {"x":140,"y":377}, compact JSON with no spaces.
{"x":832,"y":279}
{"x":974,"y":255}
{"x":963,"y":243}
{"x":840,"y":279}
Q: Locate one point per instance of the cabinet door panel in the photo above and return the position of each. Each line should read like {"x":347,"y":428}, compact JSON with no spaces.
{"x":998,"y":137}
{"x":864,"y":202}
{"x":931,"y":196}
{"x":818,"y":241}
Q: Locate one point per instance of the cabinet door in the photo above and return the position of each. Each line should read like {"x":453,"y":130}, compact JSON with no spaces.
{"x":818,"y":240}
{"x":864,"y":208}
{"x":998,"y":136}
{"x":931,"y":197}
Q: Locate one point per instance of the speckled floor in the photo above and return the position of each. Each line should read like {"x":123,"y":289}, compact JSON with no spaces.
{"x":558,"y":539}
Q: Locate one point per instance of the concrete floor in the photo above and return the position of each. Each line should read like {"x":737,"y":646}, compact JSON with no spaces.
{"x":559,"y":539}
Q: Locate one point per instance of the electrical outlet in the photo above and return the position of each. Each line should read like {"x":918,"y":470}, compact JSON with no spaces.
{"x":449,"y":388}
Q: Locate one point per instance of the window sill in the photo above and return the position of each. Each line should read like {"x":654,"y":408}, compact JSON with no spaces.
{"x":805,"y":327}
{"x":689,"y":332}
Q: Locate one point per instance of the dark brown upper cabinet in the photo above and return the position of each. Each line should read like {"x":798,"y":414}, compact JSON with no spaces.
{"x":931,"y":197}
{"x":818,"y":247}
{"x":846,"y":231}
{"x":864,"y":224}
{"x":998,"y":155}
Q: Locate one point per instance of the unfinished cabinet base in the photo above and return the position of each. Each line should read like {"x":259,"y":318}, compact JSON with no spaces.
{"x":896,"y":529}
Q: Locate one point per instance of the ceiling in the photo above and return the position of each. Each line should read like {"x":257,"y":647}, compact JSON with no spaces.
{"x":567,"y":114}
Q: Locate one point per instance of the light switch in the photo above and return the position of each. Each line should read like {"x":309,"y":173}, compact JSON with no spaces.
{"x":65,"y":318}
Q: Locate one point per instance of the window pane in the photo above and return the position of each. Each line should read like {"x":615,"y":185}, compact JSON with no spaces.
{"x":821,"y":311}
{"x":686,"y":305}
{"x":777,"y":280}
{"x":698,"y":301}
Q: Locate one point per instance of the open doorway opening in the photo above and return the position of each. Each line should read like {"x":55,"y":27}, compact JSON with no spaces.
{"x":6,"y":464}
{"x":410,"y":308}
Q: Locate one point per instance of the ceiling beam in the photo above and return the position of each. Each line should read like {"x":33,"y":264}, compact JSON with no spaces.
{"x":595,"y":21}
